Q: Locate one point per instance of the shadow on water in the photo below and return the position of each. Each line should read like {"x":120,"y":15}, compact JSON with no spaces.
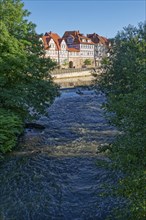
{"x":54,"y":173}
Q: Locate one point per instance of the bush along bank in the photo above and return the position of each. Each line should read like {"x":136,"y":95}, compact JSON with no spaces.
{"x":11,"y":126}
{"x":25,"y":82}
{"x":123,"y":81}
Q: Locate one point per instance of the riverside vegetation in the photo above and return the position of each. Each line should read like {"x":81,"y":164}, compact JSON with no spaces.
{"x":23,"y":69}
{"x":123,"y":80}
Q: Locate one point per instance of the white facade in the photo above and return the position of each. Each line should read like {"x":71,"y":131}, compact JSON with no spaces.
{"x":63,"y":53}
{"x":87,"y":51}
{"x":52,"y":51}
{"x":74,"y":47}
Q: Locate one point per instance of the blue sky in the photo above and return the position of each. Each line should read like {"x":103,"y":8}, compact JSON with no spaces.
{"x":104,"y":17}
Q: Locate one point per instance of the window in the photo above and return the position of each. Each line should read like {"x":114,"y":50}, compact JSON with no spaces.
{"x":63,"y":46}
{"x":52,"y":45}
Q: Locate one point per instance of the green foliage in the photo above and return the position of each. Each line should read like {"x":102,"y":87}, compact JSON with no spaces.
{"x":87,"y":62}
{"x":123,"y":81}
{"x":11,"y":126}
{"x":24,"y":78}
{"x":65,"y":63}
{"x":25,"y":83}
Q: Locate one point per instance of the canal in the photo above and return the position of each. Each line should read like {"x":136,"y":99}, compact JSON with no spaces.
{"x":54,"y":175}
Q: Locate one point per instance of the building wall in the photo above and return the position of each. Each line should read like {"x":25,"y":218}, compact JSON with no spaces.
{"x":100,"y":52}
{"x":87,"y":51}
{"x":78,"y":58}
{"x":52,"y":51}
{"x":79,"y":62}
{"x":84,"y":50}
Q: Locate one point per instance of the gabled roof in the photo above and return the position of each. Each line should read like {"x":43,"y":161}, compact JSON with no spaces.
{"x":68,"y":33}
{"x":97,"y":39}
{"x":46,"y":40}
{"x":56,"y":38}
{"x":48,"y":36}
{"x":103,"y":40}
{"x":60,"y":41}
{"x":78,"y":37}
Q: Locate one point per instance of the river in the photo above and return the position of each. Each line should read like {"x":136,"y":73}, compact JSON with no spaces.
{"x":53,"y":174}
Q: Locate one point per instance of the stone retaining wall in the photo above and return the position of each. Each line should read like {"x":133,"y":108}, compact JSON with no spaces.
{"x":71,"y":75}
{"x":75,"y":78}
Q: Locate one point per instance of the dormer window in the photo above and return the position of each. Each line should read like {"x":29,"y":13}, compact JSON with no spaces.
{"x":70,"y":40}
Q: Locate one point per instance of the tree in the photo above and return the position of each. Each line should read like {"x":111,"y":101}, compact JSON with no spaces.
{"x":123,"y":81}
{"x":87,"y":62}
{"x":65,"y":63}
{"x":24,"y":79}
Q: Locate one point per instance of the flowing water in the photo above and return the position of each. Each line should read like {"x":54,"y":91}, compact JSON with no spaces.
{"x":53,"y":175}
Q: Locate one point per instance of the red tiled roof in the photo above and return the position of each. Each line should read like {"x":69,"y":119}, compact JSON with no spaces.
{"x":46,"y":40}
{"x":56,"y":38}
{"x":98,"y":39}
{"x":68,"y":33}
{"x":103,"y":40}
{"x":77,"y":37}
{"x":73,"y":50}
{"x":60,"y":41}
{"x":48,"y":36}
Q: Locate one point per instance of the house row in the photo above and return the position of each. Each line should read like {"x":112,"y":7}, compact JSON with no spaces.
{"x":74,"y":48}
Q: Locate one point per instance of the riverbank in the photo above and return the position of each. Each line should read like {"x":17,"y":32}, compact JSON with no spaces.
{"x":75,"y":78}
